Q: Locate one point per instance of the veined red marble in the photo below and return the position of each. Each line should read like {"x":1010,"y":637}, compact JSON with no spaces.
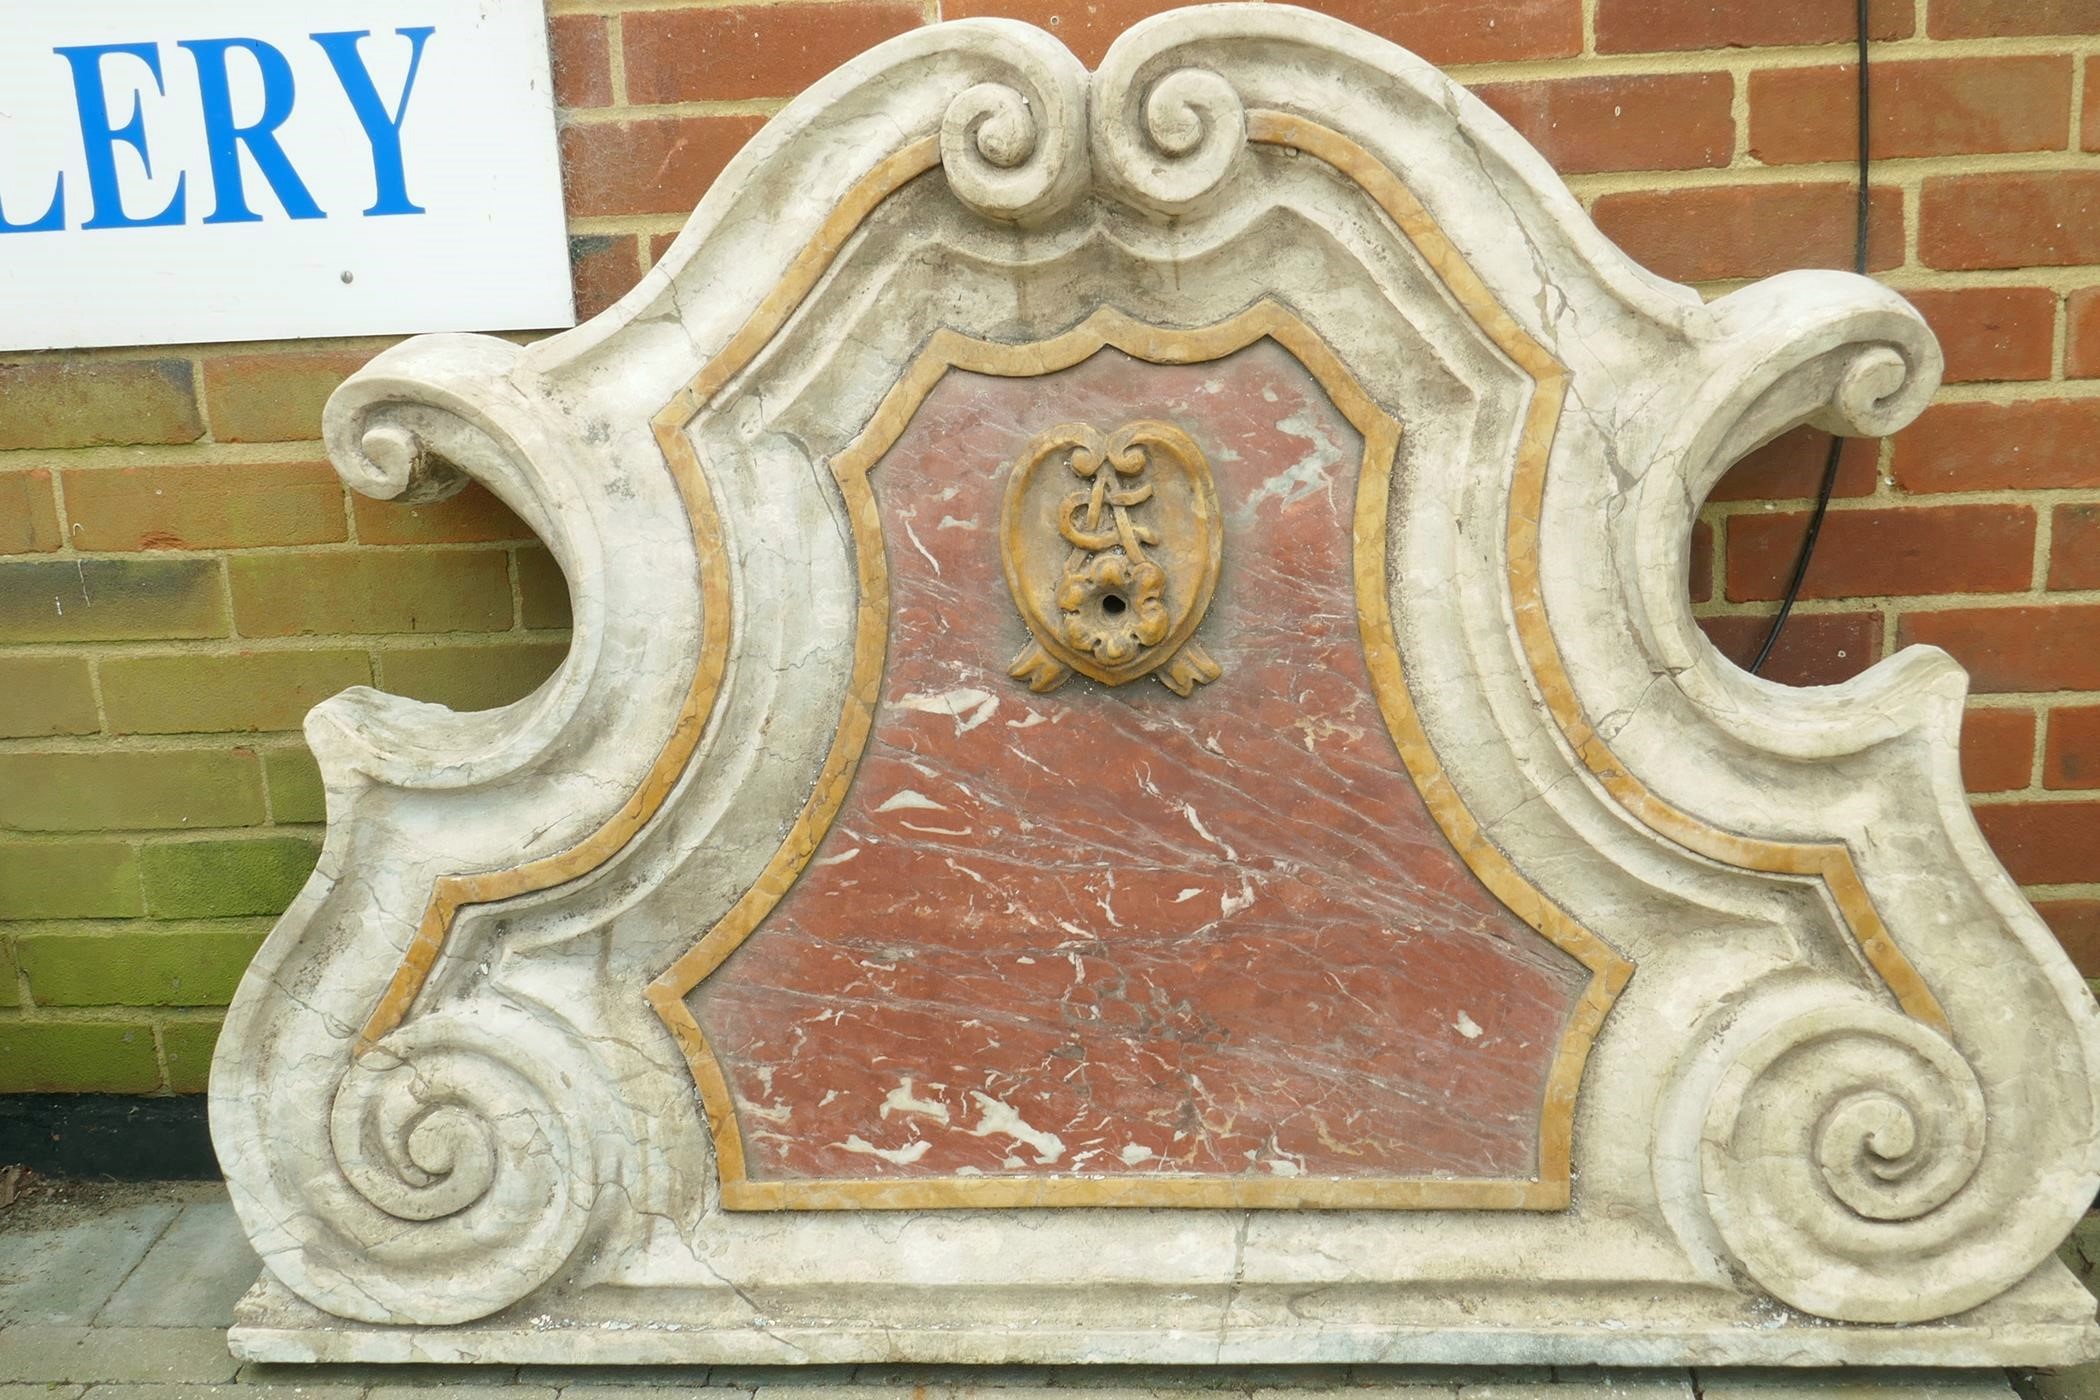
{"x":1114,"y":931}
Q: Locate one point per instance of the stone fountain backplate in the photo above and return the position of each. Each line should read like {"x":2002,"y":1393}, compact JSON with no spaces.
{"x":1135,"y":782}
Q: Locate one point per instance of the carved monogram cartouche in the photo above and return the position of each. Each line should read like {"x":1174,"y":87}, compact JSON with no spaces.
{"x":1141,"y":542}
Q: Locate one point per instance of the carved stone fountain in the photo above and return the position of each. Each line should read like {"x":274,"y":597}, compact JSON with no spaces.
{"x":1135,"y":782}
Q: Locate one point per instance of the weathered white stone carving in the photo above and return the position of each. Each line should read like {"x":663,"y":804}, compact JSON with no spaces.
{"x":1818,"y":1087}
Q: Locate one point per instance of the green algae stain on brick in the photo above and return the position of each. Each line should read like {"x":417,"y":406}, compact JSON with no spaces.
{"x":452,"y":590}
{"x":542,"y":590}
{"x":294,"y":780}
{"x":205,"y":506}
{"x":218,"y":694}
{"x":28,"y":513}
{"x":274,"y":397}
{"x":110,"y":600}
{"x":471,"y":677}
{"x":196,"y":964}
{"x":45,"y":695}
{"x":127,"y":791}
{"x":63,"y":403}
{"x":41,"y":1057}
{"x":189,"y":1045}
{"x":69,"y":880}
{"x":225,"y":879}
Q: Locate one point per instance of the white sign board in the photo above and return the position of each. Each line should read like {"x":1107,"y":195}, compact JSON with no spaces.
{"x":260,"y":169}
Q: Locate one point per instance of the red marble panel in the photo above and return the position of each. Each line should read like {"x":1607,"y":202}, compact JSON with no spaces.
{"x":1113,"y":930}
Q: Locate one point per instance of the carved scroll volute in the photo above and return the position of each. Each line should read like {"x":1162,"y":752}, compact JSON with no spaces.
{"x":1845,"y":1160}
{"x":1111,"y":546}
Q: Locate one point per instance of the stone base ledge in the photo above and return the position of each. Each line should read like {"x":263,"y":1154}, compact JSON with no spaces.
{"x":2026,"y":1327}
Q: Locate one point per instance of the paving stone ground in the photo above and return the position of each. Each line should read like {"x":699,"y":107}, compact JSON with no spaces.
{"x":112,"y":1292}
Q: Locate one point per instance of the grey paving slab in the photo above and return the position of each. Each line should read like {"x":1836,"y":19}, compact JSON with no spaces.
{"x":495,"y":1392}
{"x":752,"y":1377}
{"x":1624,"y":1386}
{"x":222,"y":1392}
{"x":1453,"y":1376}
{"x":411,"y":1375}
{"x":1856,"y":1385}
{"x":61,"y":1267}
{"x":2071,"y":1383}
{"x":94,"y":1355}
{"x":660,"y":1382}
{"x":191,"y":1277}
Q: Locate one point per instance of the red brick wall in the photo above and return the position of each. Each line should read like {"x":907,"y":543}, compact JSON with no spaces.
{"x":157,"y":806}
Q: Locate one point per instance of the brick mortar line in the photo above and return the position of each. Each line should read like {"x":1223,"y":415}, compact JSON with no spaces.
{"x":1911,"y":207}
{"x":19,"y":929}
{"x":1738,"y":114}
{"x":112,"y":1011}
{"x":642,"y":261}
{"x":175,"y":454}
{"x":623,"y":7}
{"x":1912,"y":603}
{"x":1919,"y":43}
{"x":1890,"y":173}
{"x":2038,"y":703}
{"x":195,"y":356}
{"x":199,"y":351}
{"x":2037,"y":749}
{"x":615,"y":63}
{"x":228,"y":604}
{"x":2060,"y":337}
{"x":515,"y":578}
{"x":2078,"y":98}
{"x":1839,"y":53}
{"x":671,"y":111}
{"x":350,"y":534}
{"x":2061,"y":278}
{"x":1843,"y":605}
{"x":1897,"y":499}
{"x":155,"y":648}
{"x":105,"y":1013}
{"x":156,"y":836}
{"x":628,"y":225}
{"x":276,"y":741}
{"x":2044,"y":545}
{"x":275,"y":551}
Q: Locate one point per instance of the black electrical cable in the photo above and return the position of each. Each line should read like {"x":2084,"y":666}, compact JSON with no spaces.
{"x":1837,"y":444}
